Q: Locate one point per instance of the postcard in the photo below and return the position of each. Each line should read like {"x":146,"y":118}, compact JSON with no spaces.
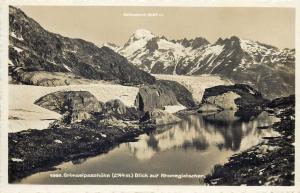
{"x":187,"y":96}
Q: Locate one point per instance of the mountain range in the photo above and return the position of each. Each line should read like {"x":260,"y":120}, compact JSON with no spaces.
{"x":269,"y":69}
{"x":33,"y":49}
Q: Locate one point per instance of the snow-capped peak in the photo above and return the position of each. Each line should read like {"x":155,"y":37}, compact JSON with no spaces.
{"x":143,"y":34}
{"x":136,"y":42}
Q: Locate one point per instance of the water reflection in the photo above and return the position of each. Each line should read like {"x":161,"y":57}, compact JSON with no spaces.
{"x":193,"y":146}
{"x":200,"y":132}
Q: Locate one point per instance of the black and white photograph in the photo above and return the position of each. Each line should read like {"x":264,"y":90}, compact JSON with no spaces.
{"x":151,"y":95}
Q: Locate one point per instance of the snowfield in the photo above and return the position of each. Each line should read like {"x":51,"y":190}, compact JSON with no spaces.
{"x":24,"y":114}
{"x":195,"y":84}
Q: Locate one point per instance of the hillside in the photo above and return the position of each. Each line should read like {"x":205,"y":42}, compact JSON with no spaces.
{"x":32,"y":48}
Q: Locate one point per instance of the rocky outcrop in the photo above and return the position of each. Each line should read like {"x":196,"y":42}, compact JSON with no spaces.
{"x":38,"y":78}
{"x":183,"y":95}
{"x":35,"y":49}
{"x":115,"y":106}
{"x":74,"y":105}
{"x":282,"y":102}
{"x":151,"y":102}
{"x":152,"y":97}
{"x":43,"y":78}
{"x":119,"y":110}
{"x":240,"y":97}
{"x":233,"y":96}
{"x":224,"y":100}
{"x":152,"y":44}
{"x":163,"y":93}
{"x":81,"y":105}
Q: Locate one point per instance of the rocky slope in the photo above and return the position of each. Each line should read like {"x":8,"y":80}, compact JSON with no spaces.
{"x":262,"y":66}
{"x":32,"y":49}
{"x":272,"y":162}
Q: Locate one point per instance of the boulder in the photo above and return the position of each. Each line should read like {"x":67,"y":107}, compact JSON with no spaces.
{"x":183,"y":95}
{"x":119,"y":110}
{"x":115,"y":106}
{"x":238,"y":96}
{"x":246,"y":101}
{"x":163,"y":93}
{"x":75,"y":105}
{"x":153,"y":96}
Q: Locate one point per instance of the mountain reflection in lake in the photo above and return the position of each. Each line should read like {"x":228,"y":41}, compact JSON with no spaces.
{"x":199,"y":133}
{"x":193,"y":146}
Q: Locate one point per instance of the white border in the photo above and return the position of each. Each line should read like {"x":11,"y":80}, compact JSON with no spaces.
{"x":7,"y":188}
{"x":168,"y":3}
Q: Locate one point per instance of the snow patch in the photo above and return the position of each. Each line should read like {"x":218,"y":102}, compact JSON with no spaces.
{"x":18,"y":49}
{"x":67,"y":67}
{"x":251,"y":91}
{"x":13,"y":34}
{"x":16,"y":160}
{"x":57,"y":141}
{"x":10,"y":62}
{"x":103,"y":135}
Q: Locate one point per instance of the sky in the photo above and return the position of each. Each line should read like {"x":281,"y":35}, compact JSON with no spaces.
{"x":101,"y":24}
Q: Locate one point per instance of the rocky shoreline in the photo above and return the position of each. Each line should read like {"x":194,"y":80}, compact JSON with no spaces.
{"x":268,"y":163}
{"x":89,"y":127}
{"x":34,"y":151}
